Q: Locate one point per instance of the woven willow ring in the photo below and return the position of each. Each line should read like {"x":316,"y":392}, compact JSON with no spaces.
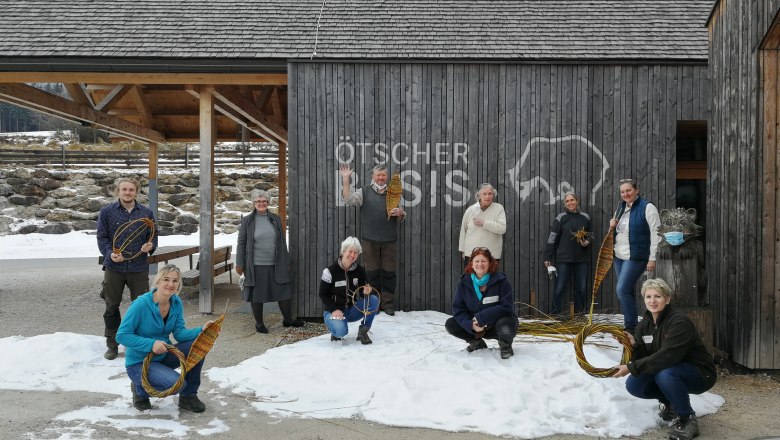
{"x":176,"y":386}
{"x":123,"y":236}
{"x":355,"y":294}
{"x":590,"y":329}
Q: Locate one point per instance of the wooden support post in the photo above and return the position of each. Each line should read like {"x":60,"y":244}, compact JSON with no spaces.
{"x":282,"y":176}
{"x":571,"y":310}
{"x":532,"y":302}
{"x":153,"y":194}
{"x":206,"y":201}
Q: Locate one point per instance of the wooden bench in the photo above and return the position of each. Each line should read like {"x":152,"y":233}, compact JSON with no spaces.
{"x":222,"y":264}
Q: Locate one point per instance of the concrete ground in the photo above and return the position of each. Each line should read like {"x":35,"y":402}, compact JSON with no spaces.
{"x":49,"y":295}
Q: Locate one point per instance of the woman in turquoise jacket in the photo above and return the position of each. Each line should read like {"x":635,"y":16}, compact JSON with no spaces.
{"x":146,"y":327}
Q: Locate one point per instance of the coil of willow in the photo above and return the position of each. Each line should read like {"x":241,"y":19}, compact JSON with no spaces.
{"x":176,"y":386}
{"x":591,"y":329}
{"x":125,"y":236}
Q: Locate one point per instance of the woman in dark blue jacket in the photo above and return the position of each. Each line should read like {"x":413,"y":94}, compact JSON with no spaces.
{"x":483,"y":306}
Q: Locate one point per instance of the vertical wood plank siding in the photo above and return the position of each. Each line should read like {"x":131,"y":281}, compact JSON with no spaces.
{"x":546,"y":125}
{"x":742,"y":231}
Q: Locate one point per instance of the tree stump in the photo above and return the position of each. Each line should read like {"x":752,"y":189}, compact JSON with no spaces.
{"x":702,"y":319}
{"x":682,"y":276}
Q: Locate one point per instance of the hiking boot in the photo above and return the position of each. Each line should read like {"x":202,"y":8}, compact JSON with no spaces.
{"x":667,"y":413}
{"x":363,"y":335}
{"x":112,"y":351}
{"x":192,"y":403}
{"x":334,"y":338}
{"x":684,"y":428}
{"x":389,"y":310}
{"x":506,"y":349}
{"x":296,"y":323}
{"x":476,"y":344}
{"x":140,"y":403}
{"x":261,"y":328}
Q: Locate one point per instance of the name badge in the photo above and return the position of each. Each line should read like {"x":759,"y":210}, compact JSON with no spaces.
{"x":648,"y":339}
{"x":490,"y":299}
{"x":341,"y":283}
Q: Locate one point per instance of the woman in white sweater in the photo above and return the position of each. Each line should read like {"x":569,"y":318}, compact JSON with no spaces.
{"x":483,"y":225}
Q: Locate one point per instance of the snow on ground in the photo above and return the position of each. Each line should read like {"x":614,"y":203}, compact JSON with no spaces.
{"x":414,"y":375}
{"x":78,"y":244}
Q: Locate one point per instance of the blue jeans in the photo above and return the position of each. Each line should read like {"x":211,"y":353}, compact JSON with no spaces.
{"x":580,"y":273}
{"x":162,"y":374}
{"x":628,"y":273}
{"x":671,"y":385}
{"x":339,"y":328}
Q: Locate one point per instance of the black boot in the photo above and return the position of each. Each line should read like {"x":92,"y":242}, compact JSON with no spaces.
{"x":506,"y":349}
{"x":684,"y":428}
{"x":140,"y":403}
{"x":112,"y":350}
{"x":192,"y":403}
{"x":476,"y":344}
{"x":363,"y":335}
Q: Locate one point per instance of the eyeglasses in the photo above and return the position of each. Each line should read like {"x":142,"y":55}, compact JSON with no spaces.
{"x":480,"y":248}
{"x":261,"y":202}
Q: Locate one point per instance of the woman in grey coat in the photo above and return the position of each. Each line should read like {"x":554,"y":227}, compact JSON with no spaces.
{"x":263,"y":259}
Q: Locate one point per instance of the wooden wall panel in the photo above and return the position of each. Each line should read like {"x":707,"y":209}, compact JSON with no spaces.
{"x":533,"y":131}
{"x":742,"y":179}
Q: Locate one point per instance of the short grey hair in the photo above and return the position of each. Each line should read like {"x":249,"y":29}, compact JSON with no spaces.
{"x":659,"y":285}
{"x":571,"y":193}
{"x":167,"y":269}
{"x":485,"y":185}
{"x":259,"y":193}
{"x":350,"y":243}
{"x":378,"y":168}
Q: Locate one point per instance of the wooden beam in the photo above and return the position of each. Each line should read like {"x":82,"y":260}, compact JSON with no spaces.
{"x":265,"y":95}
{"x":139,"y":100}
{"x":78,"y":94}
{"x":117,"y":92}
{"x":235,"y":116}
{"x":32,"y":98}
{"x":276,"y":106}
{"x":275,"y":79}
{"x":206,"y":191}
{"x":232,"y":98}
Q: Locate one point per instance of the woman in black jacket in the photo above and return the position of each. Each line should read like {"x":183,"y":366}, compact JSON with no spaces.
{"x":346,"y":294}
{"x":670,"y":361}
{"x":571,"y":254}
{"x":483,"y":306}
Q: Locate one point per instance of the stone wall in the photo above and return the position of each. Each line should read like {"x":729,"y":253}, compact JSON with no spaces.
{"x":56,"y":202}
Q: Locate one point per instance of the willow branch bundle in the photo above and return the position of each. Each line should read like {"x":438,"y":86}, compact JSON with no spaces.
{"x":176,"y":386}
{"x":204,"y":342}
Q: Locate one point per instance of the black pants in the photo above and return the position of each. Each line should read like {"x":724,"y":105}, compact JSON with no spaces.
{"x":113,"y":287}
{"x":504,"y":330}
{"x":284,"y":306}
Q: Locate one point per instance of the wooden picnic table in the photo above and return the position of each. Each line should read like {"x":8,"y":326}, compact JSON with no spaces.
{"x":166,"y":253}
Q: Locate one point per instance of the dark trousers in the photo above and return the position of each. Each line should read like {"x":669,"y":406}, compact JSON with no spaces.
{"x":578,"y":273}
{"x":284,"y":306}
{"x":505,"y":330}
{"x":671,"y":385}
{"x":113,"y":287}
{"x":379,"y":261}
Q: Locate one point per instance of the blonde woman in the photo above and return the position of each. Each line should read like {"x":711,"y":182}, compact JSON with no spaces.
{"x":670,"y":361}
{"x":146,"y":327}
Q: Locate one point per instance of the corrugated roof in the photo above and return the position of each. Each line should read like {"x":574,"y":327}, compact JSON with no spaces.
{"x":357,"y":29}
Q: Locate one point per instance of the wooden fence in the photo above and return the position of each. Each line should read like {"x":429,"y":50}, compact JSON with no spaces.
{"x":129,"y":158}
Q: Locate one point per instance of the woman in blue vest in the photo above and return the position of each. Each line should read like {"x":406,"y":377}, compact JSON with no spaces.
{"x":636,"y":225}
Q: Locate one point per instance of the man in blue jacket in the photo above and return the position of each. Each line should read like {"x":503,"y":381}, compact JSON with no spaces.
{"x":120,"y":267}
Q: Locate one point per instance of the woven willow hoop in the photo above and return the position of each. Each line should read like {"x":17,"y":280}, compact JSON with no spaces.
{"x":590,"y":329}
{"x":119,"y":247}
{"x":176,"y":386}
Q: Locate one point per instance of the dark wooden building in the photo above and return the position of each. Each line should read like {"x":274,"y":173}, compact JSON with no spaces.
{"x":534,"y":97}
{"x":743,"y":246}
